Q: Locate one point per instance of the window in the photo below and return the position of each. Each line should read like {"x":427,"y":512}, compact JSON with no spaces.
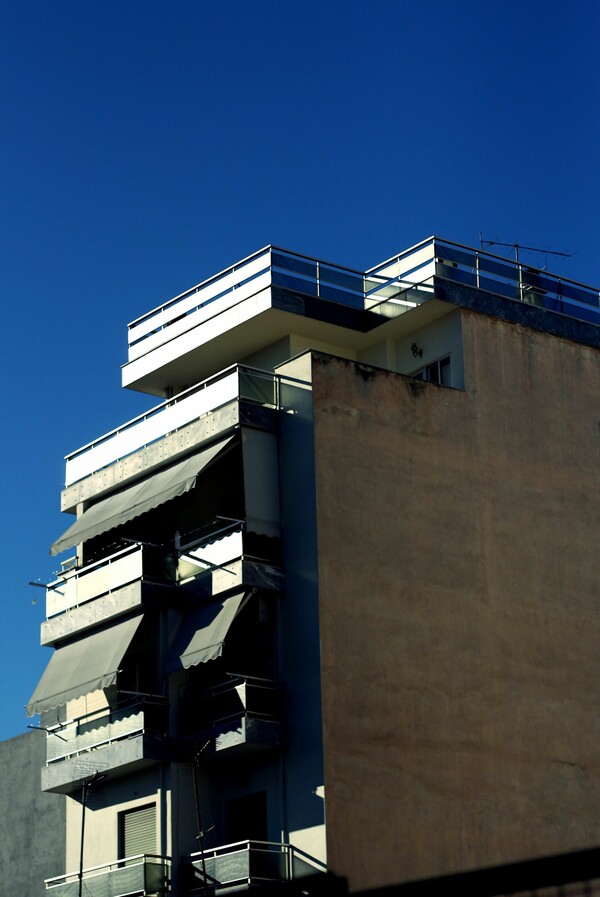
{"x":137,"y":831}
{"x":436,"y":372}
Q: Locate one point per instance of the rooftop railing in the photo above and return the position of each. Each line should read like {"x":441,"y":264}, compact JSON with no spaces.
{"x":512,"y":279}
{"x":236,"y":382}
{"x":267,"y":267}
{"x":391,"y":288}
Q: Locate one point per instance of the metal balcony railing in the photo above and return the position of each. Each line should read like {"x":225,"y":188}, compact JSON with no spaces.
{"x":144,"y":715}
{"x":145,"y":875}
{"x":77,"y":585}
{"x":247,"y":863}
{"x":214,"y":551}
{"x":240,"y":696}
{"x":235,"y":383}
{"x":240,"y":713}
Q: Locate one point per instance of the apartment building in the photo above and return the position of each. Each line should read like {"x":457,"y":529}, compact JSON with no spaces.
{"x":332,"y":603}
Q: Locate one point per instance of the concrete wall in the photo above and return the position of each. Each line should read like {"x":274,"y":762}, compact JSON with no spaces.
{"x":105,"y":802}
{"x":437,"y":339}
{"x":458,"y":572}
{"x":32,"y":824}
{"x":303,"y":810}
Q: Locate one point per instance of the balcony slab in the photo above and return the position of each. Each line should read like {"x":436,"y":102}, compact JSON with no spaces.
{"x":243,"y":736}
{"x":107,"y":607}
{"x":119,"y":759}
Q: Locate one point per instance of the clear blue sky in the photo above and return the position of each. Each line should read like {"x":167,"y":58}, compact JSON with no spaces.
{"x":146,"y":145}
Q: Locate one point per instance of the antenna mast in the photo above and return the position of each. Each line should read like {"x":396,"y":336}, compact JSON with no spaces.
{"x":517,"y":246}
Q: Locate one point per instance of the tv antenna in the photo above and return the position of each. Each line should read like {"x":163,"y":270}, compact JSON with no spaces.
{"x":517,"y":246}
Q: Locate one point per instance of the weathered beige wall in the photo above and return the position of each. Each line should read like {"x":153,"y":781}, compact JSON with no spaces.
{"x":458,"y":576}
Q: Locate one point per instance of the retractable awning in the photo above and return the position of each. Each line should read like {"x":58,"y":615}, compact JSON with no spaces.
{"x":202,"y":633}
{"x":83,"y":666}
{"x":136,"y":500}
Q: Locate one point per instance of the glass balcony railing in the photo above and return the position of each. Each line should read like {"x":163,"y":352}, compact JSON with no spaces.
{"x":266,"y":268}
{"x":234,"y":384}
{"x":422,"y":265}
{"x":269,"y":267}
{"x":145,"y":875}
{"x":389,"y":289}
{"x":248,"y":863}
{"x":146,"y":715}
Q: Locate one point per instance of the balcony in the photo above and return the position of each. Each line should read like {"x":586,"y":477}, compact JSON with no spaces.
{"x":434,"y":260}
{"x":128,"y":736}
{"x":84,"y":596}
{"x":272,"y":283}
{"x":242,"y":714}
{"x":77,"y":585}
{"x":140,"y":876}
{"x":219,"y":561}
{"x":238,"y":866}
{"x":267,"y":268}
{"x":236,"y":384}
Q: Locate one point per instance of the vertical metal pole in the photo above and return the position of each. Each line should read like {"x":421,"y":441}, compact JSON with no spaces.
{"x":84,"y":792}
{"x":520,"y":272}
{"x":86,"y":787}
{"x":195,"y":772}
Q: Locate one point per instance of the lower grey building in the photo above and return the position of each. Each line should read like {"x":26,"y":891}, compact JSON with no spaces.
{"x":32,"y":822}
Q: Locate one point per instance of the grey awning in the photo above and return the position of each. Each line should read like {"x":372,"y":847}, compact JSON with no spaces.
{"x":203,"y":632}
{"x":135,"y":500}
{"x":83,"y":666}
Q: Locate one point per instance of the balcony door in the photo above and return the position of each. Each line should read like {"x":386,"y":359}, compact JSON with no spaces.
{"x":247,"y":818}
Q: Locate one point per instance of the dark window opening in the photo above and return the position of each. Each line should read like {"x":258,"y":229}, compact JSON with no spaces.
{"x":246,"y":818}
{"x":139,"y":673}
{"x":436,"y":372}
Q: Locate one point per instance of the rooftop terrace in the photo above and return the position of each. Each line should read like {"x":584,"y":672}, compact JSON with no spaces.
{"x":387,"y":290}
